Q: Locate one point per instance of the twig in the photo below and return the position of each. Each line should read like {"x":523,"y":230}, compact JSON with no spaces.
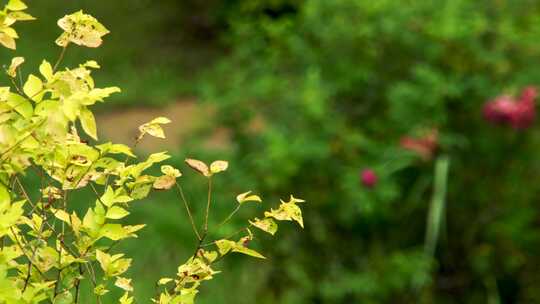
{"x":190,"y":215}
{"x":60,"y":58}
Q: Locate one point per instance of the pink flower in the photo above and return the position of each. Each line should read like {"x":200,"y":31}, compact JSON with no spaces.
{"x":500,"y":110}
{"x":506,"y":110}
{"x":425,"y":146}
{"x":368,"y":178}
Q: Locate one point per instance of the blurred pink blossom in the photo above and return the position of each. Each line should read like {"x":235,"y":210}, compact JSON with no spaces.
{"x":425,"y":146}
{"x":517,"y":113}
{"x":368,"y":178}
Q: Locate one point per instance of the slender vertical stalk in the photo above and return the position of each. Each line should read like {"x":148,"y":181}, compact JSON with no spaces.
{"x":209,"y":202}
{"x":437,"y":207}
{"x":62,"y":53}
{"x":190,"y":215}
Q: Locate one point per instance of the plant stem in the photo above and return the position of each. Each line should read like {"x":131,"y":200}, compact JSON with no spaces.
{"x":60,"y":58}
{"x":205,"y":230}
{"x":437,"y":207}
{"x":228,"y":218}
{"x":190,"y":215}
{"x":208,"y":204}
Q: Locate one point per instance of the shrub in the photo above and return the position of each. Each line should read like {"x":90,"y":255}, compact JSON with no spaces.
{"x":48,"y":248}
{"x":327,"y":88}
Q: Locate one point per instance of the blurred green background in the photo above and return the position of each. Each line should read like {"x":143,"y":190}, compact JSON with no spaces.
{"x":300,"y":96}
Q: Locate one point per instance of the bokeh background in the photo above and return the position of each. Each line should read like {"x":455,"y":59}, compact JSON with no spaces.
{"x":301,"y":96}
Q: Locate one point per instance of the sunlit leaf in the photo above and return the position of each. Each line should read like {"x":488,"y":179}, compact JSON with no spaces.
{"x":246,"y":197}
{"x":154,"y":128}
{"x":124,"y":283}
{"x":198,"y":166}
{"x":116,"y":212}
{"x":164,"y":182}
{"x":266,"y":224}
{"x":7,"y":41}
{"x":15,"y":63}
{"x":81,"y":29}
{"x":46,"y":70}
{"x":218,"y":166}
{"x":33,"y":87}
{"x":170,"y":171}
{"x":88,"y":122}
{"x":16,"y":5}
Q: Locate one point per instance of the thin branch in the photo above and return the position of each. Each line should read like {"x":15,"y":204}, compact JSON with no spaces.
{"x":208,"y":204}
{"x":60,"y":58}
{"x":190,"y":215}
{"x":228,"y":218}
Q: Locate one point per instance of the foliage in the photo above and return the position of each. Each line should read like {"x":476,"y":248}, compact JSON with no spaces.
{"x":48,"y":249}
{"x":327,"y":88}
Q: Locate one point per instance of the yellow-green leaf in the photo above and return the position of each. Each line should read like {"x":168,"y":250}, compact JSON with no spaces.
{"x":124,"y":283}
{"x":244,"y":250}
{"x":154,"y":128}
{"x":164,"y":281}
{"x":88,"y":122}
{"x":246,"y":197}
{"x":33,"y":87}
{"x":62,"y":215}
{"x":15,"y":63}
{"x":225,"y":246}
{"x":171,"y":171}
{"x":20,"y":104}
{"x":218,"y":166}
{"x":116,"y":213}
{"x":266,"y":224}
{"x":16,"y":5}
{"x":81,"y":29}
{"x":7,"y":41}
{"x":46,"y":70}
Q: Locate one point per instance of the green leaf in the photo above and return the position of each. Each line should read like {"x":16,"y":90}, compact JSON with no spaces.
{"x":108,"y":197}
{"x":287,"y":211}
{"x":15,"y":63}
{"x":81,"y":29}
{"x":7,"y":41}
{"x":126,"y":299}
{"x":244,"y":250}
{"x":224,"y":246}
{"x":88,"y":122}
{"x":101,"y":290}
{"x":64,"y":298}
{"x":120,"y":148}
{"x":124,"y":283}
{"x":170,"y":171}
{"x":16,"y":5}
{"x":4,"y":196}
{"x":164,"y":281}
{"x":218,"y":166}
{"x":114,"y":232}
{"x":46,"y":70}
{"x":20,"y":104}
{"x":33,"y":87}
{"x":267,"y":225}
{"x":153,"y":127}
{"x":62,"y":215}
{"x":116,"y":213}
{"x":245,"y":197}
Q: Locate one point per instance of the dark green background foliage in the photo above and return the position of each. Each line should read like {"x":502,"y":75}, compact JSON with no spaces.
{"x":312,"y":92}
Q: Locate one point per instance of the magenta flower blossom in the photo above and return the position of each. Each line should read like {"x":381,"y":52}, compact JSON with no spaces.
{"x":517,"y":113}
{"x":368,"y":178}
